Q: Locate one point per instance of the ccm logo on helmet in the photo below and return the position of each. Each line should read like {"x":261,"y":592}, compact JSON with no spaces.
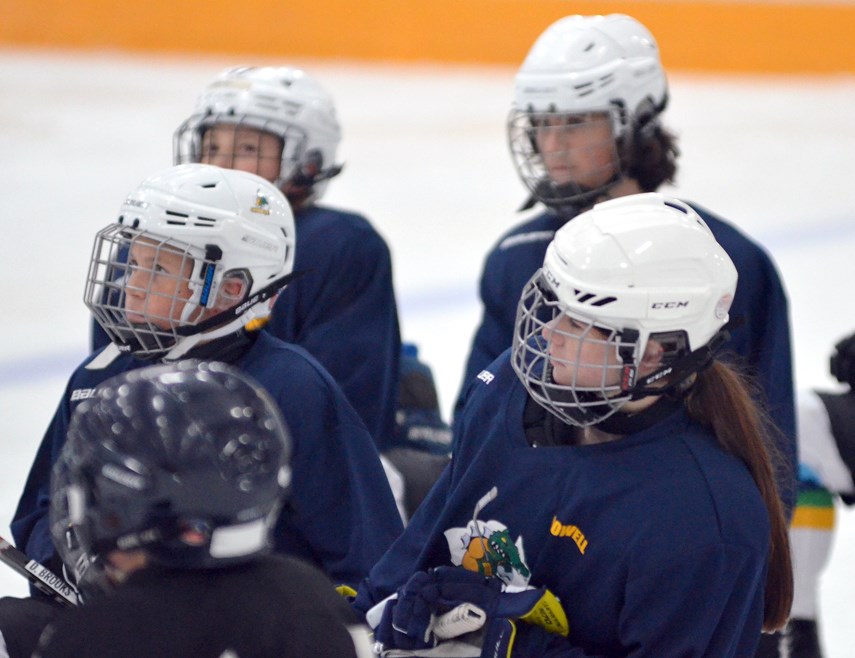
{"x":669,"y":305}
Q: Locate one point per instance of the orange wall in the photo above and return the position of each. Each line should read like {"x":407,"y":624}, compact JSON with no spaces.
{"x":776,"y":36}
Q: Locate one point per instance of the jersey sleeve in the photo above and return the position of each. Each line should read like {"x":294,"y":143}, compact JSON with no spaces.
{"x":765,"y":340}
{"x":346,"y":316}
{"x":495,"y":332}
{"x":406,"y":555}
{"x":341,"y":514}
{"x":763,"y":343}
{"x":30,"y":526}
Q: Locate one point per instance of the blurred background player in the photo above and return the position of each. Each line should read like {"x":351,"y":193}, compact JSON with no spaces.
{"x":826,"y":430}
{"x":280,"y":123}
{"x":422,"y":447}
{"x":188,"y":270}
{"x":585,"y":126}
{"x":173,"y":477}
{"x":607,"y":453}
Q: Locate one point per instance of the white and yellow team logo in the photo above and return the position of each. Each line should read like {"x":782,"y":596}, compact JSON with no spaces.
{"x":486,"y":547}
{"x":262,"y":205}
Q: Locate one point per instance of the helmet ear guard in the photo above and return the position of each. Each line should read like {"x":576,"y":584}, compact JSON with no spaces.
{"x":239,"y":311}
{"x":678,"y":365}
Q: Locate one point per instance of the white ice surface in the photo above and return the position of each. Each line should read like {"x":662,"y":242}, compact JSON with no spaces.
{"x":427,"y":162}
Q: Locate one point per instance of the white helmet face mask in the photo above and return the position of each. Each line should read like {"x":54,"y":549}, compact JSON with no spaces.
{"x":282,"y":102}
{"x":196,"y":252}
{"x":587,"y":86}
{"x":638,"y":273}
{"x":566,"y":160}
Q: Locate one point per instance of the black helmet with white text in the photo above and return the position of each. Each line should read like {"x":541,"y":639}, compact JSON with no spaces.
{"x":188,"y":461}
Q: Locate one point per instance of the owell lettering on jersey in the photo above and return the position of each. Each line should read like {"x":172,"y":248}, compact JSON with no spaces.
{"x":82,"y":394}
{"x":486,"y":376}
{"x":558,"y":529}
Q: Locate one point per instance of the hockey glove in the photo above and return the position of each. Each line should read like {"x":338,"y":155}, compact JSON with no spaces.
{"x":495,"y":640}
{"x":411,"y":620}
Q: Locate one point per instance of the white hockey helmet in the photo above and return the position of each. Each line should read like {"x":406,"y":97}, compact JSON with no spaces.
{"x":585,"y":65}
{"x":214,"y":226}
{"x":284,"y":101}
{"x":629,"y":270}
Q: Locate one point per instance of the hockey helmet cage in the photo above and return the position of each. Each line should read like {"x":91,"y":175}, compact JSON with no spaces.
{"x":284,"y":101}
{"x":629,"y":270}
{"x":582,"y":67}
{"x":196,"y":252}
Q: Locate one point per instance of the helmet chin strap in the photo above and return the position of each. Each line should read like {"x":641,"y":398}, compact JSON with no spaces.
{"x":585,"y":198}
{"x":300,"y":187}
{"x":248,"y":310}
{"x":187,"y":343}
{"x":671,"y":395}
{"x":677,"y":370}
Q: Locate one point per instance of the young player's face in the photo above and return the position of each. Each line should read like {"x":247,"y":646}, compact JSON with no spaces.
{"x":579,"y":355}
{"x":157,"y":288}
{"x":577,"y":148}
{"x":243,"y":148}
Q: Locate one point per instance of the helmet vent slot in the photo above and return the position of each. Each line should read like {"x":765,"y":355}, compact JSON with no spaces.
{"x":584,"y":89}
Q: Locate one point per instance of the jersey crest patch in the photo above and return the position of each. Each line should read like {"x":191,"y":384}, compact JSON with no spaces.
{"x":487,"y":548}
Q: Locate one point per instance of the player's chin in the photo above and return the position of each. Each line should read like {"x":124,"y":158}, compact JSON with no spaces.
{"x":561,"y":176}
{"x":561,"y":373}
{"x":136,"y":319}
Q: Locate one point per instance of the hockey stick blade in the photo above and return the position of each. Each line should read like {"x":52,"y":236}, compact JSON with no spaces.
{"x":39,"y":575}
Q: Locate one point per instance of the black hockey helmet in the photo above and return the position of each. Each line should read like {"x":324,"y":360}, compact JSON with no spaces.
{"x":188,"y":461}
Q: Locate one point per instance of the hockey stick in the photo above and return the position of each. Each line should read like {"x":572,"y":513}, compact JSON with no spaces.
{"x":39,"y":575}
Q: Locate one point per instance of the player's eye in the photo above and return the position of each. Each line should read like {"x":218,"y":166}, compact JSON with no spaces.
{"x":575,"y":119}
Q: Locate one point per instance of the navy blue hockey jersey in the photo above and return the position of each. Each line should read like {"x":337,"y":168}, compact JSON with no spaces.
{"x":341,"y":515}
{"x":342,"y":310}
{"x":656,"y":544}
{"x":762,"y":342}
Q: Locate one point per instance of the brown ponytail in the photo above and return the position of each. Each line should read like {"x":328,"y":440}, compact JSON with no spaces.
{"x":720,"y":399}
